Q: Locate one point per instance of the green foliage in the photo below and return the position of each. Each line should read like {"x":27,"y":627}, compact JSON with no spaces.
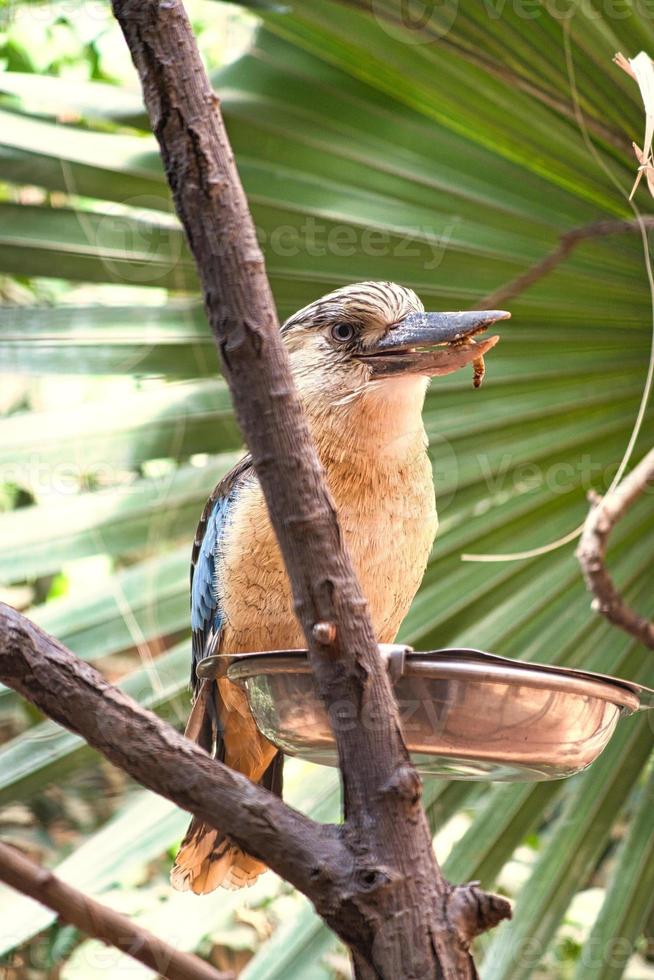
{"x":443,"y":153}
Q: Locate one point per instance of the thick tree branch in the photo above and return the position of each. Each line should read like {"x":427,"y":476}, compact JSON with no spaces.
{"x":397,"y":883}
{"x":603,"y":516}
{"x":100,"y":921}
{"x":74,"y":694}
{"x":375,"y":881}
{"x":314,"y":858}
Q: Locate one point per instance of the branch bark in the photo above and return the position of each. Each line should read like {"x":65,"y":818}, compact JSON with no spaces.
{"x":602,"y":518}
{"x":396,"y":884}
{"x":98,"y":920}
{"x":74,"y":694}
{"x":375,"y":881}
{"x":317,"y":859}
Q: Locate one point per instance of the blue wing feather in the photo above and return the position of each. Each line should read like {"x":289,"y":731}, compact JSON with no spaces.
{"x":207,"y":718}
{"x":205,"y":604}
{"x":206,"y":611}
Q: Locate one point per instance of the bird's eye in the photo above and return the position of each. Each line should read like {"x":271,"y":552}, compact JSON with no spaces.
{"x":342,"y":332}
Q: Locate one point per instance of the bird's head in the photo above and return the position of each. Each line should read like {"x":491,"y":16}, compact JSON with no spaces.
{"x":376,"y":338}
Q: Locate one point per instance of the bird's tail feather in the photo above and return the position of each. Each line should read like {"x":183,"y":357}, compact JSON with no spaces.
{"x":207,"y":858}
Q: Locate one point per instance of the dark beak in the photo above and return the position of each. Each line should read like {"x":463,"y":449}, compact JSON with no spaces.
{"x":432,"y":344}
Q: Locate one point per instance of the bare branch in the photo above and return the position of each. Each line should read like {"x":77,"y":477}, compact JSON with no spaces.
{"x":396,"y":875}
{"x":74,"y":694}
{"x":375,"y":881}
{"x":100,"y":921}
{"x":317,"y":859}
{"x":566,"y":244}
{"x":212,"y":207}
{"x":604,"y":515}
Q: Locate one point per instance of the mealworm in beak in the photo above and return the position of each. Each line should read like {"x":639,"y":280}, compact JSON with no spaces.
{"x":478,"y":371}
{"x":478,"y":365}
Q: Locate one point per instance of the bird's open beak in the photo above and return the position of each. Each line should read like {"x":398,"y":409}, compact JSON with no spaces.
{"x":432,"y":344}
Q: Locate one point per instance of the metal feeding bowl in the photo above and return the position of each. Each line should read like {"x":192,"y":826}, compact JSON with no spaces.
{"x":465,"y":714}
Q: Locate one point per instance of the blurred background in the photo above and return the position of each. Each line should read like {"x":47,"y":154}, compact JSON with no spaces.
{"x":446,"y":146}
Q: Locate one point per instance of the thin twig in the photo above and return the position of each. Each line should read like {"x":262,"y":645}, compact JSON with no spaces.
{"x":602,"y":518}
{"x":100,"y":921}
{"x":567,"y":243}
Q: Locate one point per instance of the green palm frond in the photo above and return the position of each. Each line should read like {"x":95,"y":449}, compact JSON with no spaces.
{"x":446,"y":156}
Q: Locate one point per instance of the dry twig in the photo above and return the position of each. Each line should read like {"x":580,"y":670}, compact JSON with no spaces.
{"x":604,"y":515}
{"x":100,"y":921}
{"x":567,"y":243}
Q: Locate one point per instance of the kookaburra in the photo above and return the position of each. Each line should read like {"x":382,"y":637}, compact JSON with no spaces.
{"x":362,"y":358}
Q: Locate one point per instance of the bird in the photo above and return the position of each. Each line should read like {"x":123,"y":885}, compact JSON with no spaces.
{"x":362,"y":358}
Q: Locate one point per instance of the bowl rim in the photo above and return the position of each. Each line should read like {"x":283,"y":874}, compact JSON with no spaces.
{"x":456,"y":663}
